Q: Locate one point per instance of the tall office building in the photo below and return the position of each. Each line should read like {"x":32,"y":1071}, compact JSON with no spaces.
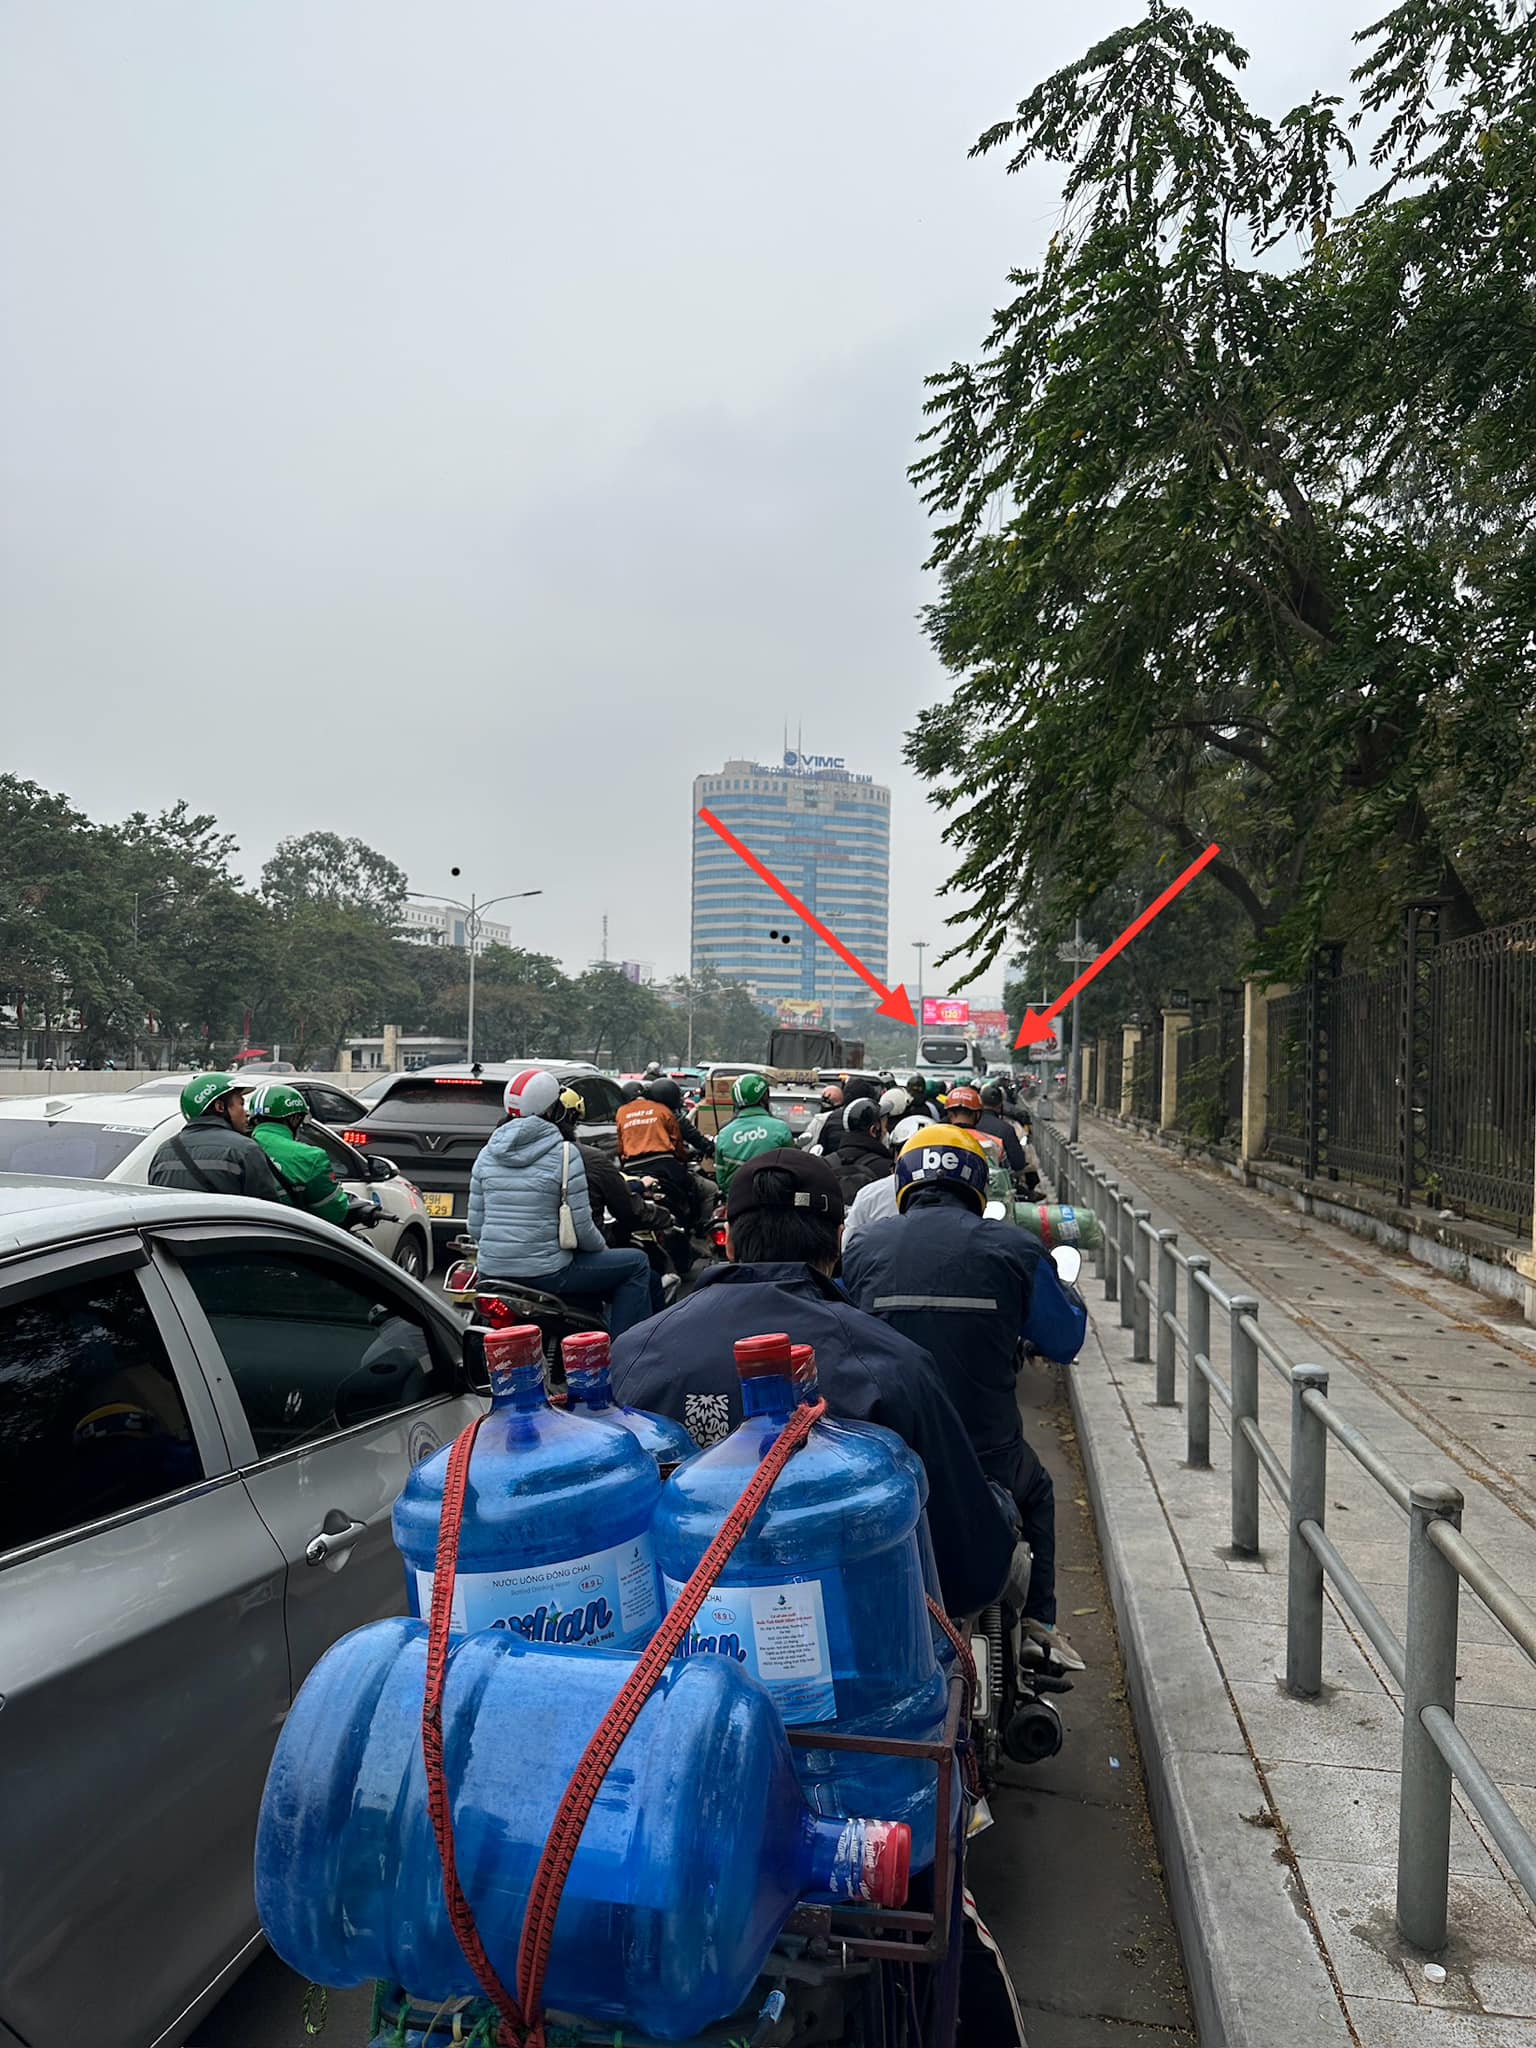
{"x":826,"y":833}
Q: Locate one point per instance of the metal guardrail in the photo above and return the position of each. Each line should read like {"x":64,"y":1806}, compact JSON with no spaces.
{"x":1439,"y":1556}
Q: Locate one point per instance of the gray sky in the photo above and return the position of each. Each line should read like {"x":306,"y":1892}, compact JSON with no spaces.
{"x":496,"y":414}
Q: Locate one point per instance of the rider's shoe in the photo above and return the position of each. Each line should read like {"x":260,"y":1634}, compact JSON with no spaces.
{"x":1056,"y":1646}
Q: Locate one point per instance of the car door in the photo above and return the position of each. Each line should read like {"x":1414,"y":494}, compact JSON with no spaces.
{"x":331,"y":1381}
{"x":143,"y":1658}
{"x":351,"y":1173}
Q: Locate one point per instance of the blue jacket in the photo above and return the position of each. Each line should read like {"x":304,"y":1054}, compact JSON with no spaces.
{"x":968,"y":1291}
{"x":680,"y":1364}
{"x":514,"y":1201}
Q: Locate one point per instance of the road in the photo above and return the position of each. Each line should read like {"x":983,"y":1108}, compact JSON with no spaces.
{"x":1067,"y":1879}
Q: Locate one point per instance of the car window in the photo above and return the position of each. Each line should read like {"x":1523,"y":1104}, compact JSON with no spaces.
{"x":599,"y":1094}
{"x":330,"y":1105}
{"x":91,"y":1418}
{"x":311,"y":1347}
{"x":345,"y":1163}
{"x":77,"y":1151}
{"x":945,"y":1052}
{"x":461,"y":1105}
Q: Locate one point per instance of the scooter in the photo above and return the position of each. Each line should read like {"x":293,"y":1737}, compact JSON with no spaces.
{"x":494,"y":1304}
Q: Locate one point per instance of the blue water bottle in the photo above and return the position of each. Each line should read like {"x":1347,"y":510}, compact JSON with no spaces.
{"x":823,"y":1598}
{"x":697,"y":1849}
{"x":589,"y":1379}
{"x":556,"y":1541}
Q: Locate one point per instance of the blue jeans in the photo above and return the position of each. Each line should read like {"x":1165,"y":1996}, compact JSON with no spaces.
{"x":621,"y":1278}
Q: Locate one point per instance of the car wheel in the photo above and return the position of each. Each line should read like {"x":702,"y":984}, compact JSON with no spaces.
{"x":410,"y":1257}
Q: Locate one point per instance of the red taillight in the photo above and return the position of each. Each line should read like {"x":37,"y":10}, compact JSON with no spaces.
{"x":462,"y":1276}
{"x":718,"y":1235}
{"x":455,"y":1081}
{"x":355,"y":1137}
{"x":494,"y":1309}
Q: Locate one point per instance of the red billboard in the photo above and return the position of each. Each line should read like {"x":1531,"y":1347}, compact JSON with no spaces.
{"x":950,"y":1011}
{"x":991,"y":1023}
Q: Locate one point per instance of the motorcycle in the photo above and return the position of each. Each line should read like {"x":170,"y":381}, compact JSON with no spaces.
{"x":651,"y":1236}
{"x":495,"y":1304}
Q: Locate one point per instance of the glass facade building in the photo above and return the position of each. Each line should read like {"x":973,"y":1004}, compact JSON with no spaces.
{"x":826,"y":833}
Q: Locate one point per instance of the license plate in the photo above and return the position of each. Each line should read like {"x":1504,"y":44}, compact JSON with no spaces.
{"x":438,"y":1205}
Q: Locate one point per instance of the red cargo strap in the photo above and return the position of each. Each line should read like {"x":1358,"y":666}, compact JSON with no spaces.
{"x":522,"y":2018}
{"x":969,"y":1766}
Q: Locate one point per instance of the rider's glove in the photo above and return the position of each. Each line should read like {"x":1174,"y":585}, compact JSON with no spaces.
{"x":366,"y":1213}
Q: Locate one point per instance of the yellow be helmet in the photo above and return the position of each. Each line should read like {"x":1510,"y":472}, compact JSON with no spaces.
{"x":943,"y":1155}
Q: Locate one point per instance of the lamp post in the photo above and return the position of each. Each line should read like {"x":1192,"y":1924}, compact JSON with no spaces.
{"x":474,"y":914}
{"x":920,"y":947}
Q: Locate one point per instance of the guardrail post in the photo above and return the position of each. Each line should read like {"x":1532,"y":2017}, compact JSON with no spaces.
{"x":1197,"y":1393}
{"x":1245,"y":1403}
{"x":1109,"y":1257}
{"x":1141,"y":1288}
{"x":1424,"y":1799}
{"x":1127,"y":1261}
{"x":1167,"y":1306}
{"x":1309,"y":1500}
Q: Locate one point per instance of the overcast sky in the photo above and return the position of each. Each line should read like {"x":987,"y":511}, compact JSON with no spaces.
{"x":462,"y":424}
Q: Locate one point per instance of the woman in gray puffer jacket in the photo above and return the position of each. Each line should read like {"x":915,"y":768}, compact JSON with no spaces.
{"x":514,"y":1209}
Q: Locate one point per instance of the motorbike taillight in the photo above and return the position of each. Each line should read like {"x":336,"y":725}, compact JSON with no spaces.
{"x":496,"y":1311}
{"x":718,"y":1235}
{"x":461,"y":1277}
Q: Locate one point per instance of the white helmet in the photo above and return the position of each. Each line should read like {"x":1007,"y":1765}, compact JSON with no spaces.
{"x":532,"y":1093}
{"x":893,"y":1102}
{"x":907,"y":1128}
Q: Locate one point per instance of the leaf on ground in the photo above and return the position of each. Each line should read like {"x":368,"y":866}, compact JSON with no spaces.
{"x":1077,"y":1612}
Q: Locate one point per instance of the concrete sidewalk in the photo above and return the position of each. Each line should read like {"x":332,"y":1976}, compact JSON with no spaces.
{"x":1277,"y":1816}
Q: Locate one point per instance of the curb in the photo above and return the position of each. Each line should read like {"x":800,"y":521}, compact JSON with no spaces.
{"x":1256,"y":1972}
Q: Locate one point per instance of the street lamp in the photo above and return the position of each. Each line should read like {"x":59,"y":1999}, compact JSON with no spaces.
{"x":474,"y":916}
{"x":920,"y":947}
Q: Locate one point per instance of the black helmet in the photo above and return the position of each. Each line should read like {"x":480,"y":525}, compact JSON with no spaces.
{"x":992,"y":1095}
{"x":861,"y":1114}
{"x":666,"y":1092}
{"x":631,"y":1091}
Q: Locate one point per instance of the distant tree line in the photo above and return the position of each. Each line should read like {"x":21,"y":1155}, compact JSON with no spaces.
{"x":118,"y":938}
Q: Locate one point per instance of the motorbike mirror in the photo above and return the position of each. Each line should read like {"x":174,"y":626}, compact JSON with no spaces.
{"x":1069,"y":1262}
{"x":996,"y":1212}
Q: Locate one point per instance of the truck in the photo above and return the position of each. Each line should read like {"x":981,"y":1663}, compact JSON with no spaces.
{"x":804,"y":1051}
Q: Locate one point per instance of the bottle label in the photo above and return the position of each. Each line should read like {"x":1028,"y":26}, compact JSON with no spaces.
{"x":779,"y":1633}
{"x":605,"y":1598}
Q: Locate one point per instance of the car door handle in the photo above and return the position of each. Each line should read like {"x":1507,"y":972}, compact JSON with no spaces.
{"x":332,"y":1543}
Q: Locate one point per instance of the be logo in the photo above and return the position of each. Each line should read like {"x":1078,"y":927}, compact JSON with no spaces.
{"x":935,"y":1161}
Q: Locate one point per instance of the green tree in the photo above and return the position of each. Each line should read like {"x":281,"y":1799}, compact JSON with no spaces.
{"x":60,"y":956}
{"x":343,"y":874}
{"x":1189,"y":592}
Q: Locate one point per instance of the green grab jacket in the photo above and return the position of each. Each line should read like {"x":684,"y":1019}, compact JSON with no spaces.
{"x":305,"y":1171}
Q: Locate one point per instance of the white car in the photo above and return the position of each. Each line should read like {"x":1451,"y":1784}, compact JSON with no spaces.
{"x":114,"y":1138}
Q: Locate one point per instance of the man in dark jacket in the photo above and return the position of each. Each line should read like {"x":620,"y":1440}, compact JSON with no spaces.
{"x":969,"y":1291}
{"x":212,"y":1152}
{"x":863,"y":1155}
{"x":785,"y":1216}
{"x":996,"y":1125}
{"x":618,"y":1208}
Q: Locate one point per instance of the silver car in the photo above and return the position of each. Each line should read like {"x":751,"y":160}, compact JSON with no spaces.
{"x":207,"y":1408}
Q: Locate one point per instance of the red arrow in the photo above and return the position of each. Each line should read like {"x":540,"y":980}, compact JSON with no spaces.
{"x":893,"y":1002}
{"x":1037,"y":1026}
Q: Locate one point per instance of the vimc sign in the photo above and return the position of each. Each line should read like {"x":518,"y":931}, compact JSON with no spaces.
{"x":949,"y":1010}
{"x":813,"y":761}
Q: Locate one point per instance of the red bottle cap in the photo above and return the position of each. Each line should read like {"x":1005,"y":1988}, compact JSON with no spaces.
{"x":511,"y":1348}
{"x":587,"y":1351}
{"x":887,"y":1861}
{"x":764,"y":1357}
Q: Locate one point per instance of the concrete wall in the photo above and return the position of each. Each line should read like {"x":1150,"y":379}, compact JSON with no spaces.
{"x":28,"y":1081}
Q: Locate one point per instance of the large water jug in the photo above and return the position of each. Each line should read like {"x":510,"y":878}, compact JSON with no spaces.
{"x":556,"y":1542}
{"x":589,"y":1380}
{"x":696,"y":1850}
{"x":808,"y":1388}
{"x":823,"y":1598}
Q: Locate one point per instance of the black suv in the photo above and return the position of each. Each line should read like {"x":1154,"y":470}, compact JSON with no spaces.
{"x":433,"y":1122}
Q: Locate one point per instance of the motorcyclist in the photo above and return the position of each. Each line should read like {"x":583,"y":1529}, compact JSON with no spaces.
{"x":213,"y":1151}
{"x":753,"y":1129}
{"x":863,"y":1155}
{"x":523,"y":1178}
{"x":811,"y":1138}
{"x":877,"y":1197}
{"x":917,"y":1099}
{"x":618,"y":1208}
{"x":784,"y":1214}
{"x":652,"y":1134}
{"x":1017,"y":1125}
{"x":967,"y":1107}
{"x":278,"y":1113}
{"x":970,"y":1291}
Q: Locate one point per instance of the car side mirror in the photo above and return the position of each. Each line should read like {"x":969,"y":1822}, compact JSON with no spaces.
{"x":381,"y":1169}
{"x":477,"y":1374}
{"x":1068,"y":1261}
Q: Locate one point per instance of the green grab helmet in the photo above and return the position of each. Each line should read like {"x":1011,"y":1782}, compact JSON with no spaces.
{"x":204,"y":1090}
{"x":275,"y":1102}
{"x":749,"y":1091}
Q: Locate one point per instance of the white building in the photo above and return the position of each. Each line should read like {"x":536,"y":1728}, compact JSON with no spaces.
{"x":442,"y":924}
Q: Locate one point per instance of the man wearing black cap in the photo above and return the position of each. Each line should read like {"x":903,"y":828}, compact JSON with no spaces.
{"x":785,"y":1217}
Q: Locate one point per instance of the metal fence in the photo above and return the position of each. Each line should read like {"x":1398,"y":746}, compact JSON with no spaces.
{"x":1113,"y":1080}
{"x":1209,"y":1054}
{"x":1147,"y":1074}
{"x":1423,"y":1663}
{"x":1480,"y":1104}
{"x":1419,"y":1077}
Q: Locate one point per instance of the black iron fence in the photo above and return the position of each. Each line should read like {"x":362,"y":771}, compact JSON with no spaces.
{"x":1209,"y":1099}
{"x":1112,"y":1078}
{"x":1147,"y":1074}
{"x":1418,"y":1078}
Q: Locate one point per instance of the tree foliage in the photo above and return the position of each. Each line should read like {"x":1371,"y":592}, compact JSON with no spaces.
{"x":1233,"y":510}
